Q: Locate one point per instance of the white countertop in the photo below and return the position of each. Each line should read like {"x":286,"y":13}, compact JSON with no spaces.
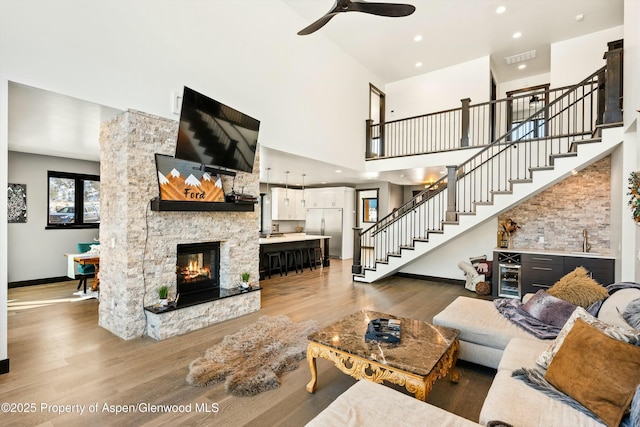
{"x":290,"y":237}
{"x":559,"y":252}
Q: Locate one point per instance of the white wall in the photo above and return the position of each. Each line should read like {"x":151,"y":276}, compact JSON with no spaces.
{"x":31,"y":239}
{"x":525,"y":82}
{"x":438,"y":90}
{"x":443,"y":261}
{"x":4,"y":247}
{"x":574,"y":59}
{"x":631,"y":63}
{"x":631,"y":241}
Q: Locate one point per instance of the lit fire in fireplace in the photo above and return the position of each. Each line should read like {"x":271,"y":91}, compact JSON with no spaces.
{"x":194,"y":271}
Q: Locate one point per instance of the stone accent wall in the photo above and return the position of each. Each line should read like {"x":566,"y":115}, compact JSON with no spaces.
{"x":560,"y":213}
{"x":139,"y":246}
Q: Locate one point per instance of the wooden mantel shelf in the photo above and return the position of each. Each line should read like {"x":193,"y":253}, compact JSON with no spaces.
{"x":164,"y":205}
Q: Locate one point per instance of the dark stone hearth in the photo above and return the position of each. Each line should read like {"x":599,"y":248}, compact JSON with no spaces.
{"x":195,"y":298}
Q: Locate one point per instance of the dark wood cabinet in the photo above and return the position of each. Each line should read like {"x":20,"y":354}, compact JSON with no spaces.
{"x":543,"y":270}
{"x":540,"y":271}
{"x":601,"y":269}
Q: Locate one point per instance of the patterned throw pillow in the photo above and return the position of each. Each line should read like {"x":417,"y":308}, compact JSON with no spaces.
{"x":578,"y":288}
{"x":628,"y":335}
{"x":632,"y":313}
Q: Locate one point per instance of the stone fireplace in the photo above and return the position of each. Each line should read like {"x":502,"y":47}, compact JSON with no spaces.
{"x":140,"y":246}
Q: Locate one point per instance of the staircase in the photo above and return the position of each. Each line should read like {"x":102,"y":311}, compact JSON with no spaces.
{"x":562,"y":137}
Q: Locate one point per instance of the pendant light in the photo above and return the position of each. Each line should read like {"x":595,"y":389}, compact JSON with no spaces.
{"x":267,"y":198}
{"x":302,"y":202}
{"x":286,"y":188}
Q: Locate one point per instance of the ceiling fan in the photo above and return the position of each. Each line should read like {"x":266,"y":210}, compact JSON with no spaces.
{"x":381,"y":9}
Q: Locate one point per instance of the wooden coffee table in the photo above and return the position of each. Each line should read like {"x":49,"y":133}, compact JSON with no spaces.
{"x":425,"y":353}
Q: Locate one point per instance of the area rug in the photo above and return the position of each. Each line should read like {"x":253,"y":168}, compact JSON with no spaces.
{"x":253,"y":359}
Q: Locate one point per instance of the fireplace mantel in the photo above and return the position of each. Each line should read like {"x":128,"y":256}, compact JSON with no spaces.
{"x":165,"y":205}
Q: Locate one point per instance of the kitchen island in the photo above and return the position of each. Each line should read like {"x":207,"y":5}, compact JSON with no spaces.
{"x":292,"y":241}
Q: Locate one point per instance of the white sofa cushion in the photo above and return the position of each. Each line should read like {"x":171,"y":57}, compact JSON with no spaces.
{"x":512,"y":401}
{"x":369,"y":404}
{"x":479,"y":322}
{"x":613,"y":307}
{"x":521,"y":352}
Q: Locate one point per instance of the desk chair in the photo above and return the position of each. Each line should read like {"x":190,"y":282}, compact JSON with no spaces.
{"x":85,"y":271}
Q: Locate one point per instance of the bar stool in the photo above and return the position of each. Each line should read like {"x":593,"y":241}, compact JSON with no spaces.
{"x":315,"y":257}
{"x":293,"y":255}
{"x":309,"y":253}
{"x":272,"y":257}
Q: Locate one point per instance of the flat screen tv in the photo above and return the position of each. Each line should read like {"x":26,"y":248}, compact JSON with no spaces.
{"x":214,"y":134}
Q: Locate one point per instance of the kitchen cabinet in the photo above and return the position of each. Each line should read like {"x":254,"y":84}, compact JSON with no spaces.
{"x":542,"y":269}
{"x":330,"y":197}
{"x":281,"y":211}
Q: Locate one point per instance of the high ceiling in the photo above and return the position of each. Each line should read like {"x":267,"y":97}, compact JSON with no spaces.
{"x":453,"y":31}
{"x":456,"y":31}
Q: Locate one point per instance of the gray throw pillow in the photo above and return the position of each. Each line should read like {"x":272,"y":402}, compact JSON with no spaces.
{"x":632,"y":314}
{"x":549,"y":309}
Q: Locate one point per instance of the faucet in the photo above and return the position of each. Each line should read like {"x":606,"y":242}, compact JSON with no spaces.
{"x":586,"y":247}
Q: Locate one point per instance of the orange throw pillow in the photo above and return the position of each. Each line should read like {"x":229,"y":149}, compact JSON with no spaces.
{"x":598,"y":371}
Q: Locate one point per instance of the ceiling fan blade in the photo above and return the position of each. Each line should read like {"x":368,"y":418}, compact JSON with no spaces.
{"x":317,"y":25}
{"x":382,"y":9}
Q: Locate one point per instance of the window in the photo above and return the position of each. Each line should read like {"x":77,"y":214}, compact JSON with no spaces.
{"x":369,"y":210}
{"x":74,"y":200}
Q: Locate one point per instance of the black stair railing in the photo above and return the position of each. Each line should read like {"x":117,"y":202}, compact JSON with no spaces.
{"x":532,"y":143}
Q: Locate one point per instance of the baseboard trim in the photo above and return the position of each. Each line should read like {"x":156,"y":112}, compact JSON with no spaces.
{"x":4,"y":366}
{"x":431,"y":278}
{"x":38,"y":281}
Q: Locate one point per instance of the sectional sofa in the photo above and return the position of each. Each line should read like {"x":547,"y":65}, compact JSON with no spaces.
{"x":488,"y":339}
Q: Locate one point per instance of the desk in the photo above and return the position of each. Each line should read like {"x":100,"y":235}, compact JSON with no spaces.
{"x":85,"y":259}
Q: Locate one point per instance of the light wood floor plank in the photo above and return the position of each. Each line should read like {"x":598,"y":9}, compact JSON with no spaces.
{"x":60,"y":356}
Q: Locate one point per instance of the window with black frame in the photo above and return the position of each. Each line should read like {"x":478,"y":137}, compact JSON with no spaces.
{"x":74,"y":200}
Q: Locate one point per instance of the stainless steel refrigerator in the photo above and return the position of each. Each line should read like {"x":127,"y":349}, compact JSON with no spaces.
{"x":326,"y":222}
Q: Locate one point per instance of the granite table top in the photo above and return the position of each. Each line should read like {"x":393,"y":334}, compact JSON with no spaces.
{"x":421,"y":345}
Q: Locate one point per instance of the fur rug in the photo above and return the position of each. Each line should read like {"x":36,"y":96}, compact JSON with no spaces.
{"x":253,"y":359}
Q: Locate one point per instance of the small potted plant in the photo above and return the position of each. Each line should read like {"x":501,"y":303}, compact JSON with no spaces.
{"x":163,"y":293}
{"x":245,"y":279}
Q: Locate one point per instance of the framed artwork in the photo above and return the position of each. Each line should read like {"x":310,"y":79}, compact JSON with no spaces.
{"x":17,"y":203}
{"x":370,"y":210}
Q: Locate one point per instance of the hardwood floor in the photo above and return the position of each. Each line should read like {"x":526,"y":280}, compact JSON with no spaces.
{"x":60,"y":356}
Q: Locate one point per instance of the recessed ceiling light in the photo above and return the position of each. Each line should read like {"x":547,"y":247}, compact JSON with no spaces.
{"x":338,"y":171}
{"x":517,"y":35}
{"x":579,"y":17}
{"x":417,"y":38}
{"x":418,"y":64}
{"x":522,"y":66}
{"x":501,"y":9}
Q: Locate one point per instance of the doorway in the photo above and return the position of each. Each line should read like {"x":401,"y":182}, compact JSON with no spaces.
{"x":375,"y":144}
{"x":522,"y":111}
